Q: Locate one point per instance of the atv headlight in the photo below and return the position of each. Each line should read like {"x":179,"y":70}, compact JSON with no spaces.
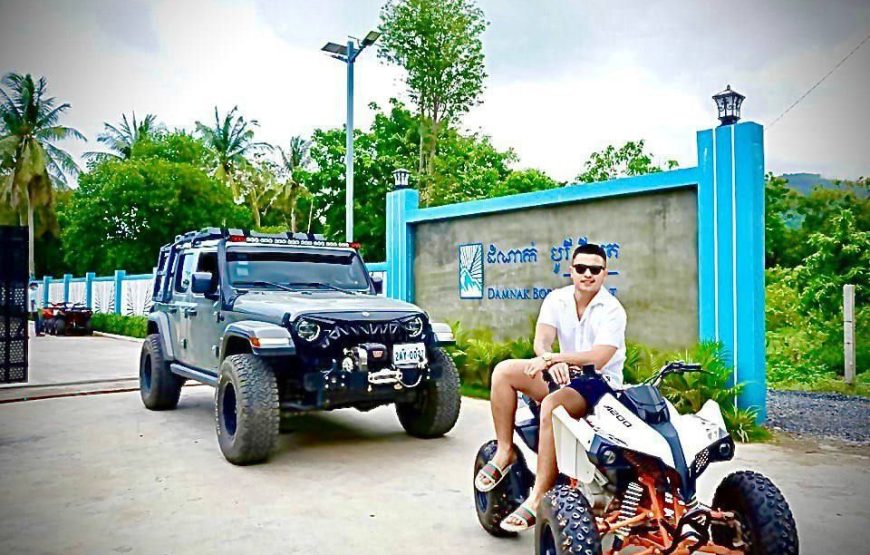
{"x":414,"y":326}
{"x":308,"y":330}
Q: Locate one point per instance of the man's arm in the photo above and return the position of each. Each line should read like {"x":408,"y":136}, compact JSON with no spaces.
{"x":599,"y":355}
{"x":545,"y":334}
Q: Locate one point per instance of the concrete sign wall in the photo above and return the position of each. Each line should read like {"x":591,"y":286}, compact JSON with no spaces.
{"x":493,"y":270}
{"x":441,"y":256}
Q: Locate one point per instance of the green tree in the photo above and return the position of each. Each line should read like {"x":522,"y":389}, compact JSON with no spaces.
{"x":121,"y":138}
{"x":35,"y":166}
{"x":124,"y":210}
{"x":626,"y":161}
{"x":841,"y":257}
{"x":438,"y":43}
{"x":468,"y":167}
{"x":231,"y":140}
{"x":294,"y":163}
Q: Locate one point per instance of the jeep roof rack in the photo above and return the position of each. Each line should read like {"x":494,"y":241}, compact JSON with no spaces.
{"x":209,"y":233}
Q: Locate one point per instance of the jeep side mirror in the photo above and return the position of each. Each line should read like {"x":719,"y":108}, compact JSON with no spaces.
{"x":378,"y":282}
{"x":200,"y":282}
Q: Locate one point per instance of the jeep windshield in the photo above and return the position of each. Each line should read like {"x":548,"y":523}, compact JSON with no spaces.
{"x":297,"y":269}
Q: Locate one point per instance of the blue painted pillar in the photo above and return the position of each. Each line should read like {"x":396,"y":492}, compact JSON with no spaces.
{"x":46,"y":281}
{"x":66,"y":282}
{"x":119,"y":290}
{"x":400,"y":243}
{"x":89,"y":289}
{"x":731,"y":252}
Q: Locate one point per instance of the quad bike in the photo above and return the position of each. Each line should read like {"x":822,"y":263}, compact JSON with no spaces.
{"x":63,"y":318}
{"x":627,"y":477}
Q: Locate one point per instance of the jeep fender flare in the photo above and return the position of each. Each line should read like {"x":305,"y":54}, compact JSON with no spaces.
{"x":443,"y":334}
{"x":265,"y":338}
{"x":161,"y":320}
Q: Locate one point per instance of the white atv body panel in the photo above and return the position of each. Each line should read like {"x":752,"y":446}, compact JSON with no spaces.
{"x":616,"y":424}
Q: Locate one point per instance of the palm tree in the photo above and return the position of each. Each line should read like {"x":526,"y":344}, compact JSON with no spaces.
{"x":121,"y":138}
{"x":294,"y":159}
{"x":231,"y":139}
{"x":34,"y":165}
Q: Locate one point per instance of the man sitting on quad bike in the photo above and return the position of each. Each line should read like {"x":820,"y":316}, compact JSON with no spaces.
{"x":590,"y":324}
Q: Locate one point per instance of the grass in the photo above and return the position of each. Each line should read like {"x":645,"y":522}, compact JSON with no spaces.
{"x":476,"y":391}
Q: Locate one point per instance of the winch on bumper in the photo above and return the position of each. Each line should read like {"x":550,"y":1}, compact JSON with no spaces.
{"x":370,"y":371}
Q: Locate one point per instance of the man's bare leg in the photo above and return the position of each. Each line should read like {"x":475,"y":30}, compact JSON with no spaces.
{"x":508,"y":378}
{"x":547,"y":472}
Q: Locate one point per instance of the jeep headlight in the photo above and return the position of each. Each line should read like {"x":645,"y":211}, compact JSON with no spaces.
{"x":414,"y":326}
{"x":308,"y":330}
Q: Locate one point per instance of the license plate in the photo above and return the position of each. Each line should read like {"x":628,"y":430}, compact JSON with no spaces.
{"x":409,"y":354}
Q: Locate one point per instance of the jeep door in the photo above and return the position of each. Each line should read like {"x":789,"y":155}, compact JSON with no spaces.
{"x":206,"y":322}
{"x":180,"y":316}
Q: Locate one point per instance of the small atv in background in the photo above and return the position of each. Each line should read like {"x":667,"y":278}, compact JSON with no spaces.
{"x":64,"y":318}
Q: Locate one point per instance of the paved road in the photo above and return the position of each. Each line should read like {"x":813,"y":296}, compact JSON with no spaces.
{"x":100,"y":474}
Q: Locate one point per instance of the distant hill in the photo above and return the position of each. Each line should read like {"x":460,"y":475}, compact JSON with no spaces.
{"x":804,"y":183}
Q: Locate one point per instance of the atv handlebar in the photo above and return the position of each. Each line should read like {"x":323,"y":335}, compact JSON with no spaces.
{"x":675,"y":367}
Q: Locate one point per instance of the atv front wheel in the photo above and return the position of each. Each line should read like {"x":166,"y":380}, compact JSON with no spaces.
{"x":158,"y":386}
{"x":767,"y":523}
{"x":566,"y":524}
{"x":495,"y":505}
{"x":247,"y":410}
{"x":435,"y":410}
{"x":59,"y":326}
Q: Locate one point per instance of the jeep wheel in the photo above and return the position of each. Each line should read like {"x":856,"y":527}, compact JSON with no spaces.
{"x":158,"y":386}
{"x":435,"y":410}
{"x":247,"y":410}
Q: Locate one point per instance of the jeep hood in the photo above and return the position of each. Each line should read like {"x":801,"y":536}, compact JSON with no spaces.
{"x":274,"y":304}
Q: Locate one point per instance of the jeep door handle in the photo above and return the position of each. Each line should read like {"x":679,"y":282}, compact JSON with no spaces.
{"x":190,"y":312}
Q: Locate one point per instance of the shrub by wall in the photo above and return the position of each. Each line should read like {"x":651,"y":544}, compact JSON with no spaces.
{"x":118,"y":324}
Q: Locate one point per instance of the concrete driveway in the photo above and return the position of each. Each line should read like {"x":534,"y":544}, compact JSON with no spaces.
{"x":100,"y":474}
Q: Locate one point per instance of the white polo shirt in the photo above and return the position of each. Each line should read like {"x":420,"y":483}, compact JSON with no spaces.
{"x":603,"y":323}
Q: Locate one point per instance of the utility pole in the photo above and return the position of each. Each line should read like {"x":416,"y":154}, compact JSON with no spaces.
{"x":849,"y":333}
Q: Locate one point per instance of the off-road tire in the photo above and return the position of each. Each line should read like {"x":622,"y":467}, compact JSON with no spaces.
{"x":566,"y":524}
{"x":158,"y":386}
{"x":48,"y":326}
{"x":768,"y":523}
{"x":435,"y":410}
{"x":59,"y":326}
{"x":246,"y":409}
{"x":495,"y":505}
{"x":89,"y":328}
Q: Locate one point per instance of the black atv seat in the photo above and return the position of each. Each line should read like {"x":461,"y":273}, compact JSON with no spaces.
{"x":646,"y":402}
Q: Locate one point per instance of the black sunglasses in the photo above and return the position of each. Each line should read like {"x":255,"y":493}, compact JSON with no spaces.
{"x":594,"y":270}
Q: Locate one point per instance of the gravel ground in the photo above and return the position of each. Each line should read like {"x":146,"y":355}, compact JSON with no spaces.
{"x":820,"y":415}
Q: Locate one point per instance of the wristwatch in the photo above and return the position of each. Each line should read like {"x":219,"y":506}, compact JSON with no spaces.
{"x":548,"y":358}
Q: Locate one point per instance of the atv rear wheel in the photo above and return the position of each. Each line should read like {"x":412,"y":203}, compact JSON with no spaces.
{"x":566,"y":524}
{"x":247,"y":409}
{"x":766,"y":520}
{"x":59,"y":327}
{"x":435,"y":410}
{"x":495,"y":505}
{"x":158,"y":386}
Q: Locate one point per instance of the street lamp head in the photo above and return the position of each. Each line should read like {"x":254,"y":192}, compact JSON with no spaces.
{"x":400,"y":178}
{"x":728,"y":103}
{"x":335,"y":49}
{"x":370,"y":38}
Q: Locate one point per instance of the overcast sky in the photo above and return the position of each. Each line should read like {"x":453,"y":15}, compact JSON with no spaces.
{"x":566,"y":78}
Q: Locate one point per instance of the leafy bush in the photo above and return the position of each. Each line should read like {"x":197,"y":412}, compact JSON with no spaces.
{"x":804,"y":344}
{"x":476,"y":354}
{"x":118,"y":324}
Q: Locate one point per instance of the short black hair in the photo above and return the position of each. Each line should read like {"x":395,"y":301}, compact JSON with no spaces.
{"x":590,"y":248}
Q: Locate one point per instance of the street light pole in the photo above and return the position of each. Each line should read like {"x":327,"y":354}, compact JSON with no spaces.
{"x":348,"y":55}
{"x":348,"y":159}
